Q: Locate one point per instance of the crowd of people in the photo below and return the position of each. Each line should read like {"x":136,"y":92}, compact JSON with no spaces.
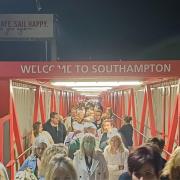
{"x":86,"y":145}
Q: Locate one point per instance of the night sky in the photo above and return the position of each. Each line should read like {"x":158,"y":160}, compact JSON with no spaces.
{"x":107,"y":29}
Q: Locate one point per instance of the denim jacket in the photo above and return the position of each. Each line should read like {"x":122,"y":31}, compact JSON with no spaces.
{"x":30,"y":163}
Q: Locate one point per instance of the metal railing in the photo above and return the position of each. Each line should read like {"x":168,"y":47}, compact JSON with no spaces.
{"x":144,"y":136}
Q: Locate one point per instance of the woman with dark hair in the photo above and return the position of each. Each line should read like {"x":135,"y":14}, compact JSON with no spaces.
{"x":143,"y":163}
{"x":38,"y":131}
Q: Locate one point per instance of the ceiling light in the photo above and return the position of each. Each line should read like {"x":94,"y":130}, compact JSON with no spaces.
{"x":91,"y":88}
{"x":105,"y":83}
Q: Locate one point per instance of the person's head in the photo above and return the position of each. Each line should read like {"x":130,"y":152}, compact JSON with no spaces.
{"x":88,"y":144}
{"x":37,"y":128}
{"x":97,"y":114}
{"x":60,"y":168}
{"x":80,"y":116}
{"x":49,"y":153}
{"x":73,"y":111}
{"x":157,"y":141}
{"x":107,"y":125}
{"x":172,"y":167}
{"x":127,"y":119}
{"x":54,"y":118}
{"x":90,"y":128}
{"x":40,"y":144}
{"x":144,"y":163}
{"x":27,"y":174}
{"x":115,"y":142}
{"x":109,"y":111}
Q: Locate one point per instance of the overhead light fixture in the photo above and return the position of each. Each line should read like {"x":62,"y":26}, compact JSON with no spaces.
{"x":91,"y":88}
{"x":97,"y":84}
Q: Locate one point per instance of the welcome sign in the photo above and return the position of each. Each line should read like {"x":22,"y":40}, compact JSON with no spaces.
{"x":82,"y":69}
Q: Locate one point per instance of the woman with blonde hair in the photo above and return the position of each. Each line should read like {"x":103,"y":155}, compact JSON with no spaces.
{"x":89,"y":162}
{"x":116,"y":156}
{"x":60,"y":167}
{"x":171,"y":170}
{"x":48,"y":154}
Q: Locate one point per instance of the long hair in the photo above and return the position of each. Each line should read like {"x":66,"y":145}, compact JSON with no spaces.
{"x":61,"y":162}
{"x":49,"y":153}
{"x":121,"y":144}
{"x":87,"y":137}
{"x":36,"y":127}
{"x":167,"y":171}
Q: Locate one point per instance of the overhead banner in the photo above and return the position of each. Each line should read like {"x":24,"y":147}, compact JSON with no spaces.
{"x":89,"y":69}
{"x":26,"y":26}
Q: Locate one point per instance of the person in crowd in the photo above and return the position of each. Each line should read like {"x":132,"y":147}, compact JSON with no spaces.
{"x":143,"y":163}
{"x":70,"y":119}
{"x":90,"y":163}
{"x":107,"y":132}
{"x":33,"y":162}
{"x":109,"y":113}
{"x":27,"y":174}
{"x":126,"y":132}
{"x":116,"y":156}
{"x":48,"y":154}
{"x":38,"y":131}
{"x":3,"y":172}
{"x":160,"y":144}
{"x":56,"y":129}
{"x":60,"y":167}
{"x":97,"y":118}
{"x":171,"y":170}
{"x":74,"y":144}
{"x":78,"y":124}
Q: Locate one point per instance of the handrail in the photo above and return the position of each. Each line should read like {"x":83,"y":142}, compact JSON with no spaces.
{"x":168,"y":153}
{"x":28,"y":149}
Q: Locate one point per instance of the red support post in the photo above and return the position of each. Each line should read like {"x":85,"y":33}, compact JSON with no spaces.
{"x":169,"y":108}
{"x":173,"y":127}
{"x":6,"y":108}
{"x":42,"y":108}
{"x":163,"y":112}
{"x":129,"y":103}
{"x":17,"y":134}
{"x":134,"y":117}
{"x":151,"y":112}
{"x":143,"y":115}
{"x":61,"y":103}
{"x":36,"y":104}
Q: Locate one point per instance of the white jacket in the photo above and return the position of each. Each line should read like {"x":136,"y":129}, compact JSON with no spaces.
{"x":98,"y":170}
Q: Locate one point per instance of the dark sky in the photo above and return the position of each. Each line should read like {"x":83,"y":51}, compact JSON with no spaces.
{"x":111,"y":29}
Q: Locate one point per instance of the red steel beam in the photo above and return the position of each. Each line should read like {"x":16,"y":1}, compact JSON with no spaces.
{"x":36,"y":104}
{"x":173,"y":127}
{"x":129,"y":103}
{"x":143,"y":115}
{"x":17,"y":133}
{"x":163,"y":112}
{"x":151,"y":112}
{"x":134,"y":117}
{"x":42,"y":108}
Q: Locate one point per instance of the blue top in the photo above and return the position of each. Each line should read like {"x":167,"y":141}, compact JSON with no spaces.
{"x":30,"y":162}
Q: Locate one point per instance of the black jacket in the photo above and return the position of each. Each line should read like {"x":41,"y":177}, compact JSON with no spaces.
{"x":58,"y":133}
